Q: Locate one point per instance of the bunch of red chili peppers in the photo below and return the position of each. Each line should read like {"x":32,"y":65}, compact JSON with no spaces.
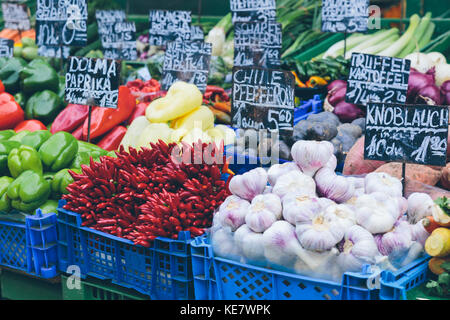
{"x":141,"y":195}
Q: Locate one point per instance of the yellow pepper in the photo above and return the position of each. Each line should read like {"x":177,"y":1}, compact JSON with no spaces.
{"x":152,"y":133}
{"x":181,"y":99}
{"x":201,"y":117}
{"x":298,"y":81}
{"x":316,"y":81}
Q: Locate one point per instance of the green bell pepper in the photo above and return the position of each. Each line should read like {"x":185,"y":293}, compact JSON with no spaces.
{"x":60,"y":182}
{"x":9,"y":74}
{"x":22,"y":159}
{"x":43,"y":106}
{"x":5,"y":149}
{"x":5,"y":202}
{"x":84,"y":158}
{"x":37,"y":76}
{"x":48,"y":176}
{"x":90,"y":148}
{"x":49,"y":206}
{"x":62,"y":91}
{"x":6,"y":134}
{"x":36,"y":138}
{"x":20,"y":99}
{"x":19,"y":136}
{"x":58,"y":151}
{"x":28,"y":191}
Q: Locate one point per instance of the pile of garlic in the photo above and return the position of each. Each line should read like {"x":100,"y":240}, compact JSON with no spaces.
{"x":303,"y":217}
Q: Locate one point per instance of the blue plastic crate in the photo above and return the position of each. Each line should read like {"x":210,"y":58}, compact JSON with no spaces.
{"x":395,"y":285}
{"x":31,"y":246}
{"x":223,"y":279}
{"x":307,"y":108}
{"x":163,"y":271}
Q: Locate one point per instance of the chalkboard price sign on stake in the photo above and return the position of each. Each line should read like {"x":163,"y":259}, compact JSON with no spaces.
{"x":186,"y":61}
{"x":253,"y":10}
{"x":377,"y":79}
{"x":6,"y":48}
{"x":263,"y":99}
{"x":345,"y":16}
{"x":406,"y":133}
{"x":16,"y":16}
{"x":166,"y":25}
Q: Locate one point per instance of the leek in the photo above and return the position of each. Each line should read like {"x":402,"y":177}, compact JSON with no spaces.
{"x":337,"y":49}
{"x":426,"y":38}
{"x":404,"y":40}
{"x":376,"y":48}
{"x":377,"y":37}
{"x":413,"y":44}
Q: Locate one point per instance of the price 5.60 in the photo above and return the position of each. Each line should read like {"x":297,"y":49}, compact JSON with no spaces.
{"x":279,"y":118}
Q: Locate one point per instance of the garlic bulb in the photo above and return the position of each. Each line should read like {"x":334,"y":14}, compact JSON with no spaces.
{"x":399,"y":239}
{"x":281,"y":246}
{"x":268,"y":189}
{"x":232,"y":212}
{"x":357,"y":182}
{"x":357,"y":249}
{"x":223,"y":244}
{"x":332,"y":186}
{"x":332,"y":163}
{"x":418,"y":232}
{"x":402,"y":258}
{"x":325,"y":203}
{"x":310,"y":156}
{"x":249,"y":184}
{"x":419,"y":206}
{"x":249,"y":243}
{"x":345,"y":215}
{"x":319,"y":233}
{"x":263,"y":212}
{"x":319,"y":264}
{"x":295,"y":182}
{"x":376,"y":212}
{"x":277,"y":170}
{"x":295,"y":205}
{"x":383,"y":182}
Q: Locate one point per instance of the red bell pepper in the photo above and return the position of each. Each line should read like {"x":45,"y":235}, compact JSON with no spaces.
{"x":30,"y":125}
{"x":70,"y":118}
{"x":111,"y":141}
{"x":78,"y":133}
{"x":138,"y":111}
{"x":104,"y":119}
{"x":11,"y":113}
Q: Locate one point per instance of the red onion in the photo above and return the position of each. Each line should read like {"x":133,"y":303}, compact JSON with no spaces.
{"x":431,"y":92}
{"x":337,"y":96}
{"x":336,"y":84}
{"x":347,"y":112}
{"x":416,"y":82}
{"x":445,"y":87}
{"x":446,"y":99}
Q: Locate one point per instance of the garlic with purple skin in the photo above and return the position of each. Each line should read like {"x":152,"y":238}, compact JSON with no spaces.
{"x":418,"y":232}
{"x":376,"y":212}
{"x":296,"y":205}
{"x":319,"y":233}
{"x":250,"y":184}
{"x":332,"y":186}
{"x":232,"y":212}
{"x":319,"y":265}
{"x":310,"y":156}
{"x":264,"y":210}
{"x":295,"y":183}
{"x":223,"y":244}
{"x":398,"y":240}
{"x":420,"y":205}
{"x":277,"y":170}
{"x":249,"y":243}
{"x":332,"y":163}
{"x":357,"y":248}
{"x":345,"y":215}
{"x":383,"y":182}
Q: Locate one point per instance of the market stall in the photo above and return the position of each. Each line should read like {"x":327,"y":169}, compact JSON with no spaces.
{"x":296,"y":151}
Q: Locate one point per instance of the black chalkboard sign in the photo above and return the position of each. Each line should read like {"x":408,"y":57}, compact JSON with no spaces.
{"x":6,"y":48}
{"x":92,"y":81}
{"x":60,"y":24}
{"x":110,"y":15}
{"x":16,"y":16}
{"x":197,"y":33}
{"x":253,"y":10}
{"x":263,"y":99}
{"x":168,"y":26}
{"x":377,"y":79}
{"x":186,"y":61}
{"x":406,"y":133}
{"x":118,"y":40}
{"x":257,"y":44}
{"x":345,"y":16}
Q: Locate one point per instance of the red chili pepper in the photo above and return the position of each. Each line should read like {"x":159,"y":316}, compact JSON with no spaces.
{"x":138,"y":112}
{"x":70,"y":118}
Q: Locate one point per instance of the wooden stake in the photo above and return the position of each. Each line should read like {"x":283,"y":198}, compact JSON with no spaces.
{"x":404,"y":177}
{"x":89,"y":125}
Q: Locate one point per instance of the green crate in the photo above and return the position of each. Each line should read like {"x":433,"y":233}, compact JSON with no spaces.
{"x":95,"y":289}
{"x":18,"y":285}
